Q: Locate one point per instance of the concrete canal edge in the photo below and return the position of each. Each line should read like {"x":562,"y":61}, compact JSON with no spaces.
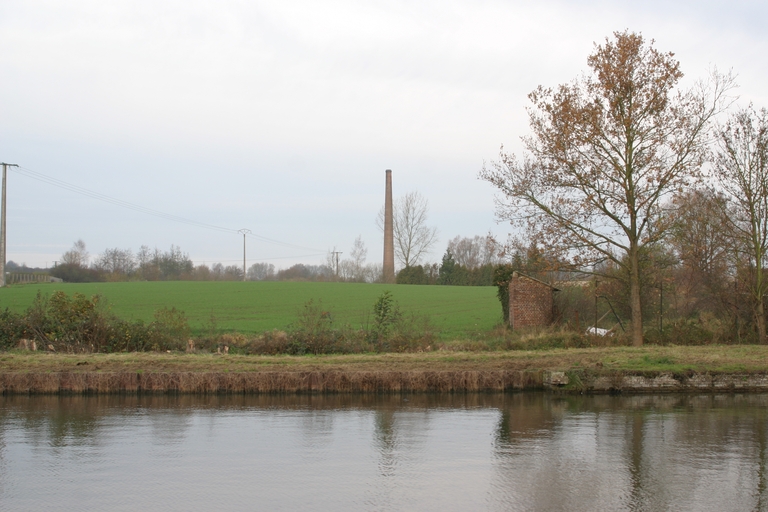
{"x":570,"y":382}
{"x":653,"y":382}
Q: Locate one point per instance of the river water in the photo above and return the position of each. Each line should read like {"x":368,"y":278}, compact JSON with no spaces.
{"x":526,"y":451}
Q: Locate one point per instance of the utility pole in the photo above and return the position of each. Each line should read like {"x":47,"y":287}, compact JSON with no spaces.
{"x":2,"y":226}
{"x":244,"y":232}
{"x":336,"y":254}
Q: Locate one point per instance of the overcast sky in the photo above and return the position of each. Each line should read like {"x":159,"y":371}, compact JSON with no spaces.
{"x":281,"y":117}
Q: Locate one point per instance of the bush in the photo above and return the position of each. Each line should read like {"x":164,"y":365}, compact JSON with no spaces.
{"x":270,"y":343}
{"x":79,"y":324}
{"x":73,"y":273}
{"x":412,"y":275}
{"x":12,"y":329}
{"x":169,"y":330}
{"x":386,"y":313}
{"x":71,"y":324}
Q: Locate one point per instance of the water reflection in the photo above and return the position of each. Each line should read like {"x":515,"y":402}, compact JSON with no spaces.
{"x":527,"y":451}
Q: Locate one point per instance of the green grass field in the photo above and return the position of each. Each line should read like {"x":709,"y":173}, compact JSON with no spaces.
{"x":255,"y":307}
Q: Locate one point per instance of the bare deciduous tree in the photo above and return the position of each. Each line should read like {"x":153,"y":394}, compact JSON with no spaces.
{"x":261,"y":272}
{"x":413,"y":238}
{"x":700,"y":241}
{"x":606,"y":151}
{"x":353,"y":268}
{"x":359,"y":252}
{"x":741,"y":167}
{"x":77,"y":256}
{"x":233,"y":273}
{"x":473,"y":253}
{"x":116,"y":261}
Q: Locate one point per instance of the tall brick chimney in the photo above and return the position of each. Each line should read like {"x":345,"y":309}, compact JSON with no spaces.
{"x":389,"y":237}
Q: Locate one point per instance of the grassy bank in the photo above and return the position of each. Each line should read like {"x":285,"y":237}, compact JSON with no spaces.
{"x":619,"y":369}
{"x":254,"y":307}
{"x":675,"y":359}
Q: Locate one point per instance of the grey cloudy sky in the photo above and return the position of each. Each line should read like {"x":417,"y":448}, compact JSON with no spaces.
{"x":281,"y":117}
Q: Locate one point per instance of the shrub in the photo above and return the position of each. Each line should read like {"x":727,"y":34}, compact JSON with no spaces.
{"x":12,"y":329}
{"x":80,"y":324}
{"x":71,"y":324}
{"x":169,"y":330}
{"x":270,"y":343}
{"x":386,"y":312}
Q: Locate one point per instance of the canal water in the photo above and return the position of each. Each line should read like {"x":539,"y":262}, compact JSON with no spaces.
{"x":526,"y":451}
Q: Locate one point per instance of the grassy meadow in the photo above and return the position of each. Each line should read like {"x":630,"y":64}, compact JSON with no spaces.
{"x":255,"y":307}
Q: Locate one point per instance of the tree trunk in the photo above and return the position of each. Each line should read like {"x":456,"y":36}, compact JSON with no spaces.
{"x":634,"y":298}
{"x":759,"y":283}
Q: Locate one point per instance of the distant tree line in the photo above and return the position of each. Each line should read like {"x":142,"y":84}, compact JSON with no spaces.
{"x":147,"y":264}
{"x":467,"y":262}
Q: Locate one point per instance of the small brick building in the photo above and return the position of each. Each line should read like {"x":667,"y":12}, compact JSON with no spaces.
{"x":531,"y":302}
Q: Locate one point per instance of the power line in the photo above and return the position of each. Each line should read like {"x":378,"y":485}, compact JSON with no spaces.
{"x":284,"y":244}
{"x":217,"y":260}
{"x":118,"y":202}
{"x":148,"y":211}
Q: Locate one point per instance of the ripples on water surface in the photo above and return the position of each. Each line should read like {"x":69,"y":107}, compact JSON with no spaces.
{"x":423,"y":452}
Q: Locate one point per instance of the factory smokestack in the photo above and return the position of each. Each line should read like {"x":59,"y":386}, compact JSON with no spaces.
{"x":389,"y":236}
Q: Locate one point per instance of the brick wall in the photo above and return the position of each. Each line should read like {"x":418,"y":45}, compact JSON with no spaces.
{"x":530,"y":302}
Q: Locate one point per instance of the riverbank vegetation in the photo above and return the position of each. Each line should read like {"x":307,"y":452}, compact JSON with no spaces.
{"x":674,"y":359}
{"x":76,"y":323}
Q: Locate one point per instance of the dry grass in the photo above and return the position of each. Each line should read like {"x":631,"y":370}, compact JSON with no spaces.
{"x":269,"y":382}
{"x":713,"y":358}
{"x":23,"y":372}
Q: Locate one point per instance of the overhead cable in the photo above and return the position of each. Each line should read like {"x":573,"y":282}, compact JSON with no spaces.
{"x":149,"y":211}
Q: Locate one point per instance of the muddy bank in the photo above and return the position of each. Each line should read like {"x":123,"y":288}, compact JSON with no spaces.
{"x":378,"y":382}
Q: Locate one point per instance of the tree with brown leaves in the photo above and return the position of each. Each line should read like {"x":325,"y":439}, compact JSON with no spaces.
{"x":606,"y":151}
{"x":741,"y":168}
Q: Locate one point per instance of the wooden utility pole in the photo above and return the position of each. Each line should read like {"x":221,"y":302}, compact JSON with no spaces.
{"x":244,"y":232}
{"x":2,"y":226}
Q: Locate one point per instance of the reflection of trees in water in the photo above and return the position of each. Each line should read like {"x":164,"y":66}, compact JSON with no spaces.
{"x":762,"y":443}
{"x":169,"y":427}
{"x":637,"y":453}
{"x":539,"y":447}
{"x":548,"y":452}
{"x":4,"y":471}
{"x":76,"y":420}
{"x":635,"y":460}
{"x":525,"y":415}
{"x":316,"y":426}
{"x":55,"y":421}
{"x":719,"y":440}
{"x":386,"y":441}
